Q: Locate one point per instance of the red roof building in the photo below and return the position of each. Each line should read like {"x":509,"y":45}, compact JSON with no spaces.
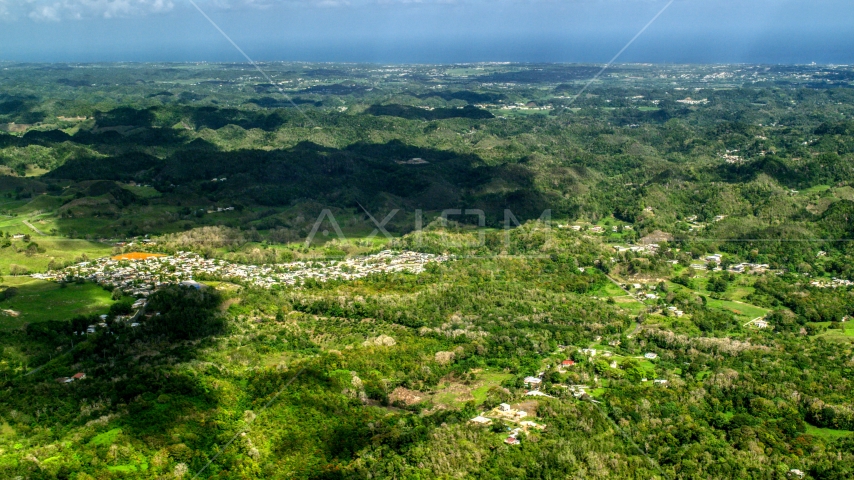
{"x":511,"y":441}
{"x":567,"y":363}
{"x":79,"y":376}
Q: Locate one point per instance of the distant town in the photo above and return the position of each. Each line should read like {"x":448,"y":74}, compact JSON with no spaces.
{"x":141,"y":274}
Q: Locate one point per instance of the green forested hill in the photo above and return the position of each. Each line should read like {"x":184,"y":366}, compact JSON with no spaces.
{"x":669,"y":256}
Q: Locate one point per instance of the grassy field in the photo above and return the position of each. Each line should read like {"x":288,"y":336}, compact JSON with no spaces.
{"x":740,"y":292}
{"x":815,"y":189}
{"x":827,"y":433}
{"x":59,"y":249}
{"x":31,"y":220}
{"x":489,"y":380}
{"x":846,"y":334}
{"x":741,"y":310}
{"x":478,"y":389}
{"x":144,"y":192}
{"x":844,"y":193}
{"x":39,"y":204}
{"x":610,"y":290}
{"x":14,"y":225}
{"x":39,"y":301}
{"x":621,"y":298}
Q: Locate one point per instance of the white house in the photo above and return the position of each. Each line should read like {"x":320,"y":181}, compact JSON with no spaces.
{"x":481,"y":420}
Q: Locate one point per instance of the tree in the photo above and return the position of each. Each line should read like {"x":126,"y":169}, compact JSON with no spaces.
{"x":32,"y":249}
{"x":17,"y":270}
{"x":185,"y":312}
{"x":718,"y":284}
{"x":121,"y":308}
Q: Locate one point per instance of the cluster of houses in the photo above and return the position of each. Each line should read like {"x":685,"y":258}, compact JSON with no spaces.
{"x":592,"y":352}
{"x":694,"y":225}
{"x":639,"y":249}
{"x":505,"y":412}
{"x":642,"y":296}
{"x":516,"y":106}
{"x":595,"y":228}
{"x":534,"y":384}
{"x":716,"y":260}
{"x":833,"y":283}
{"x":730,"y":157}
{"x":650,"y":247}
{"x":691,"y":101}
{"x":220,"y":209}
{"x":749,"y":268}
{"x":143,"y":276}
{"x":577,"y":391}
{"x":138,"y":308}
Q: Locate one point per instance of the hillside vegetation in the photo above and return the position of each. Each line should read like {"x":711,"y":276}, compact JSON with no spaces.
{"x":658,"y":273}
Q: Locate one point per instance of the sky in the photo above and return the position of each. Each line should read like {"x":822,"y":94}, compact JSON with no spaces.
{"x":429,"y":31}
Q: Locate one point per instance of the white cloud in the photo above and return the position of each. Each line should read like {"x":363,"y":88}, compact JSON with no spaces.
{"x":5,"y":9}
{"x":236,"y":4}
{"x":56,"y":10}
{"x":47,"y":13}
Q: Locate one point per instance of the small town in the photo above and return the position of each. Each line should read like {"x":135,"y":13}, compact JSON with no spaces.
{"x":141,"y":274}
{"x":833,"y":283}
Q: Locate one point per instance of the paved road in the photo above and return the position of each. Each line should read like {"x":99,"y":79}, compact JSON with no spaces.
{"x":33,"y":227}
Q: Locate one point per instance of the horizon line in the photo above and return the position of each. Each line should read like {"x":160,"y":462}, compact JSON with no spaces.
{"x":479,"y":62}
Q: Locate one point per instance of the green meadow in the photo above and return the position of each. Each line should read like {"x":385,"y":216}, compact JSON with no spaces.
{"x":741,"y":310}
{"x":39,"y":301}
{"x":56,"y":249}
